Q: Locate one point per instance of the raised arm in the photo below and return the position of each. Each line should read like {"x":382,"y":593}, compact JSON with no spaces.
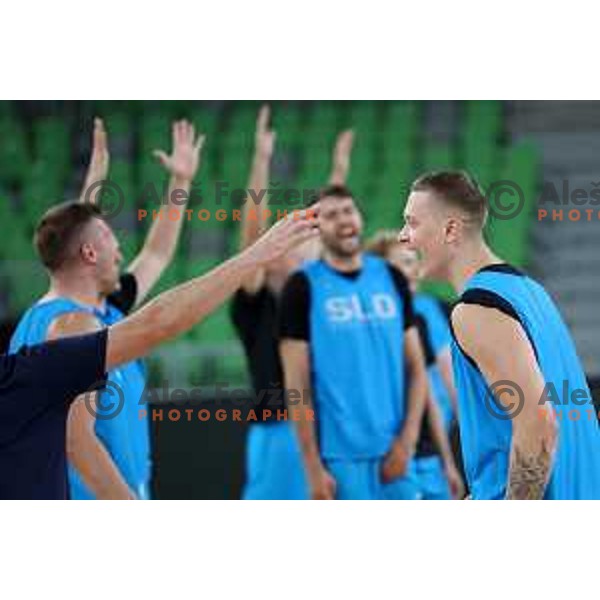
{"x":99,"y":164}
{"x":161,"y":241}
{"x":341,"y":158}
{"x":534,"y":435}
{"x":253,"y":223}
{"x":180,"y":308}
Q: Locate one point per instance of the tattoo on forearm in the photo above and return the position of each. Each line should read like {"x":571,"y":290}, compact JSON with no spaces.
{"x":529,"y":473}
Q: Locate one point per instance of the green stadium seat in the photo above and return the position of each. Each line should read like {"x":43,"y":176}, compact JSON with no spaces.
{"x":437,"y":157}
{"x":402,"y":120}
{"x":14,"y":156}
{"x":121,"y":173}
{"x":52,"y":145}
{"x":287,"y":120}
{"x":35,"y":170}
{"x":510,"y":237}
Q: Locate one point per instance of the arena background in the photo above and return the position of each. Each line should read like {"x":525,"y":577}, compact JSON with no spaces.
{"x":536,"y":146}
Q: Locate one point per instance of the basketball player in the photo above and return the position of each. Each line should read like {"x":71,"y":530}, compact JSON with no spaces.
{"x":39,"y":384}
{"x":108,"y":458}
{"x":274,"y":469}
{"x":437,"y":473}
{"x":509,"y":343}
{"x":348,"y":336}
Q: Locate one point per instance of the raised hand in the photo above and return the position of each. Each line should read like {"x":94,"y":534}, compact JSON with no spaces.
{"x":184,"y":160}
{"x":99,"y":163}
{"x":341,"y":157}
{"x":264,"y":140}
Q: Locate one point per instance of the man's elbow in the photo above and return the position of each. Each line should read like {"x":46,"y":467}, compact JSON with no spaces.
{"x":76,"y":441}
{"x":549,"y":431}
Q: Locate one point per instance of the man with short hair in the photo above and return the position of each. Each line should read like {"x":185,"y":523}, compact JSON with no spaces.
{"x":109,"y":458}
{"x":510,"y":342}
{"x":348,"y":338}
{"x":39,"y":384}
{"x":274,"y":469}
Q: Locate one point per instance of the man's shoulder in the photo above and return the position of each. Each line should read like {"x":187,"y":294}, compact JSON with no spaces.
{"x":73,"y":323}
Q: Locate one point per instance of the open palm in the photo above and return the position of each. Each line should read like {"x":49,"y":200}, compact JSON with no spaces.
{"x":184,"y":160}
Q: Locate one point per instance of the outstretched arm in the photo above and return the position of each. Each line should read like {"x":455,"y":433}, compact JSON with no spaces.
{"x":534,"y":433}
{"x":180,"y":308}
{"x":99,"y":163}
{"x":253,"y":221}
{"x":161,"y":241}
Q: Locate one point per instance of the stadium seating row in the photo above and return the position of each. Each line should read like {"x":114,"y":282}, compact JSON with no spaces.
{"x":41,"y":158}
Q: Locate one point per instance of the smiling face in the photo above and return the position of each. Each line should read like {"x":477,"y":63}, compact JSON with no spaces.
{"x":428,"y":231}
{"x":445,"y":213}
{"x":341,"y":226}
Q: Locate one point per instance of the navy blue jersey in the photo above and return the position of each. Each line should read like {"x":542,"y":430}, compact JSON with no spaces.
{"x":37,"y":386}
{"x":486,"y":430}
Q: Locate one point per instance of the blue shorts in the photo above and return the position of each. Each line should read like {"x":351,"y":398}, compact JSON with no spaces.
{"x":361,"y":480}
{"x":433,"y":484}
{"x":274,"y":468}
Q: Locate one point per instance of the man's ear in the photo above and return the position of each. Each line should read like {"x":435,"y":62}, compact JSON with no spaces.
{"x":453,"y":230}
{"x":88,"y":253}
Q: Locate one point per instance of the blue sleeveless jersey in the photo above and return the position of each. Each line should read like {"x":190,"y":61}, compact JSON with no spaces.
{"x":357,"y":357}
{"x":125,"y":436}
{"x":486,"y":439}
{"x":440,"y":337}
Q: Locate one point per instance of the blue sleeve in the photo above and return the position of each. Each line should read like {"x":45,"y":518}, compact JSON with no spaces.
{"x":65,"y":368}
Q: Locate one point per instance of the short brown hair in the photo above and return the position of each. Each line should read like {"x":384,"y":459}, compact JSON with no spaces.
{"x":335,"y":191}
{"x":456,"y":188}
{"x":57,"y":230}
